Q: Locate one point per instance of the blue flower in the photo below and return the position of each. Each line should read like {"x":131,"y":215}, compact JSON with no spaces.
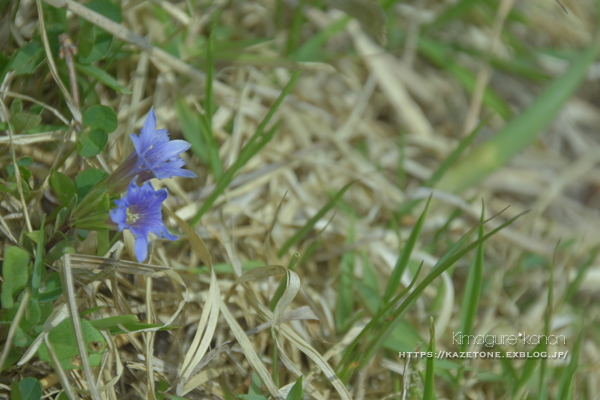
{"x":155,"y":156}
{"x":140,"y":212}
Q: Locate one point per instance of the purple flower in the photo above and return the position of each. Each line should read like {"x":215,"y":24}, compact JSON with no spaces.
{"x":155,"y":156}
{"x":140,"y":212}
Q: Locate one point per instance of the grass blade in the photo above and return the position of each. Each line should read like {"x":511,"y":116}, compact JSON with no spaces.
{"x":190,"y":121}
{"x":369,"y":289}
{"x":543,"y":391}
{"x":472,"y":292}
{"x":302,"y":232}
{"x":247,"y":152}
{"x":521,"y":131}
{"x":312,"y":49}
{"x":383,"y":313}
{"x":441,"y":56}
{"x":345,"y":300}
{"x":38,"y":264}
{"x":283,"y":284}
{"x":405,"y":257}
{"x":528,"y":370}
{"x":296,"y":393}
{"x":437,"y":270}
{"x":101,"y":76}
{"x":349,"y":355}
{"x":574,"y":286}
{"x":451,"y":13}
{"x":565,"y":390}
{"x":430,"y":369}
{"x":206,"y":121}
{"x":445,"y":165}
{"x":294,"y":33}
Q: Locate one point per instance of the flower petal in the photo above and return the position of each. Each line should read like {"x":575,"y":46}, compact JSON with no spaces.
{"x":147,"y":132}
{"x":141,"y":248}
{"x":119,"y":217}
{"x":155,"y":155}
{"x":140,"y":212}
{"x":167,"y":235}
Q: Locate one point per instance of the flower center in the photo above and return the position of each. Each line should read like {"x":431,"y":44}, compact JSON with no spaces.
{"x":131,"y":218}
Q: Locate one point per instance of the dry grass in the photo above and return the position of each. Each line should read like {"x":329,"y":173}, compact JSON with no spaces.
{"x":383,"y":118}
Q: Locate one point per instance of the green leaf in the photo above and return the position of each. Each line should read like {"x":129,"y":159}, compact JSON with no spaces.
{"x":61,"y":218}
{"x":63,"y":186}
{"x":42,"y":128}
{"x":16,"y":106}
{"x":102,"y":76}
{"x":29,"y":320}
{"x":227,"y":393}
{"x":4,"y":61}
{"x":100,"y":117}
{"x":24,"y":186}
{"x":100,"y":47}
{"x":30,"y":388}
{"x":174,"y":397}
{"x":161,"y":387}
{"x":64,"y":343}
{"x":36,"y":109}
{"x":15,"y":274}
{"x":110,"y":322}
{"x":59,"y":249}
{"x":283,"y":284}
{"x":8,"y":187}
{"x":14,"y":355}
{"x":94,"y":43}
{"x":87,"y":179}
{"x":92,"y":142}
{"x":38,"y":263}
{"x":124,"y":323}
{"x":52,"y":289}
{"x":107,"y":8}
{"x":15,"y":391}
{"x":255,"y":384}
{"x":87,"y":37}
{"x":34,"y":236}
{"x":27,"y":58}
{"x":297,"y":392}
{"x":23,"y":121}
{"x":62,"y":396}
{"x":21,"y":162}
